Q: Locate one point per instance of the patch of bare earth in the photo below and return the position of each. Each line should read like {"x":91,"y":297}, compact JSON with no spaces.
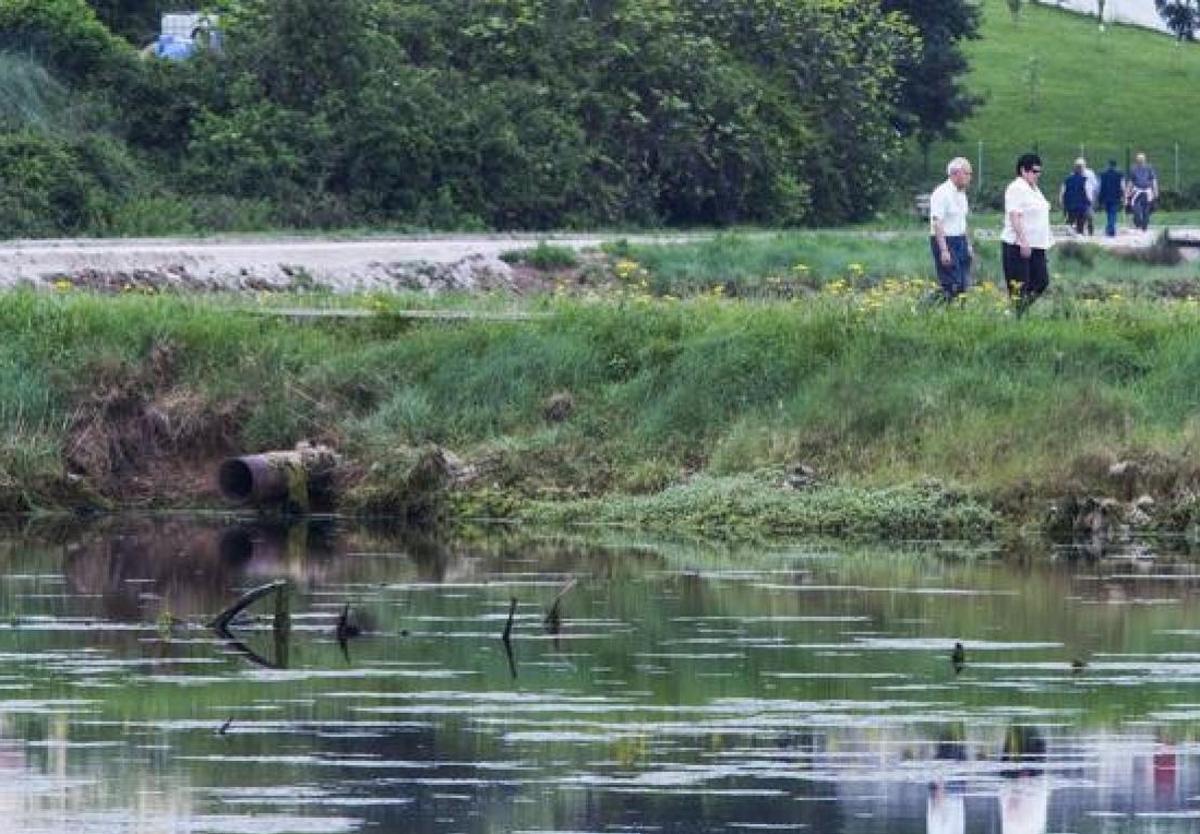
{"x":138,"y":437}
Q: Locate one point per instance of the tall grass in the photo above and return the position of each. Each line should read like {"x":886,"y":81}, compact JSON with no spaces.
{"x":870,"y":395}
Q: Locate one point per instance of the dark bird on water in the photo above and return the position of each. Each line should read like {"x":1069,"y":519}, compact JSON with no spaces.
{"x":1078,"y":665}
{"x":958,"y":657}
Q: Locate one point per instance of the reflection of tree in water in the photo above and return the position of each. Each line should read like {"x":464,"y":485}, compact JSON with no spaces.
{"x":143,"y":570}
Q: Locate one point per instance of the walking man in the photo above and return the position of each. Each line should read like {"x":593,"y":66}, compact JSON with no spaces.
{"x":1142,"y":191}
{"x":1093,"y":194}
{"x":1112,"y":190}
{"x":948,"y":240}
{"x":1074,"y":199}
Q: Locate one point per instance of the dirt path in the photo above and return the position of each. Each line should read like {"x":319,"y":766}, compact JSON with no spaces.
{"x":248,"y":263}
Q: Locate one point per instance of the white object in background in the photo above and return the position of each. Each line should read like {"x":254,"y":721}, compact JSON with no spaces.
{"x":183,"y":25}
{"x":1131,"y":12}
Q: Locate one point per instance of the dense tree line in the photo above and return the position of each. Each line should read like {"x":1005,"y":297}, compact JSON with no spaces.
{"x":485,"y":113}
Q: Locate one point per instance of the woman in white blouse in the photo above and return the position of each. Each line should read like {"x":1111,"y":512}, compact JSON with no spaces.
{"x":1026,"y":236}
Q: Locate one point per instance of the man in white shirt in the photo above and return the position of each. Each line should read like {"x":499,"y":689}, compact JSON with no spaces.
{"x":948,"y":239}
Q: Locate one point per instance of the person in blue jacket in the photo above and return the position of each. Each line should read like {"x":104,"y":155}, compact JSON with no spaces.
{"x":1074,"y":198}
{"x":1112,"y":195}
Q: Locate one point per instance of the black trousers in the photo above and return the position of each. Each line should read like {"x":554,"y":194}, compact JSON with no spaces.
{"x":1027,"y":276}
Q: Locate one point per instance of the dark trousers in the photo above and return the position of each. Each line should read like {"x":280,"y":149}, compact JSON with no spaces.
{"x":1027,"y":278}
{"x":1141,"y":210}
{"x":954,"y":279}
{"x":1111,"y":209}
{"x":1077,"y":219}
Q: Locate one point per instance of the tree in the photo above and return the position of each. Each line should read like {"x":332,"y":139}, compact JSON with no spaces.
{"x":933,"y":99}
{"x":136,"y":20}
{"x":1181,"y":17}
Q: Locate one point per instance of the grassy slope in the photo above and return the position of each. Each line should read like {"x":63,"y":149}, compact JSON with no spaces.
{"x":1122,"y":88}
{"x":718,"y":396}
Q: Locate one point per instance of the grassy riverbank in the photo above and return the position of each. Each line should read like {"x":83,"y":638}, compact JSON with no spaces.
{"x":695,"y":413}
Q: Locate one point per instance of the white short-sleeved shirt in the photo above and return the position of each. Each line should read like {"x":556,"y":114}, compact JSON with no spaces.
{"x":948,"y":205}
{"x":1034,"y":209}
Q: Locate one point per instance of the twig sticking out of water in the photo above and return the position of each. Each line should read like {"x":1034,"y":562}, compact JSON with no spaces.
{"x":346,"y":627}
{"x":222,"y":620}
{"x":958,"y":658}
{"x":512,"y":611}
{"x":225,"y":727}
{"x":553,"y":619}
{"x":512,"y":658}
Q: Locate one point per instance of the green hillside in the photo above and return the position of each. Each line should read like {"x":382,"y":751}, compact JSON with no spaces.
{"x":1054,"y":81}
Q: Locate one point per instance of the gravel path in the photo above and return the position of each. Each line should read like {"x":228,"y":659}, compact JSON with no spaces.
{"x":240,"y":263}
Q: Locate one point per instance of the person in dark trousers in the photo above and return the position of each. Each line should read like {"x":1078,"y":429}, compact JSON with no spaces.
{"x":949,"y":240}
{"x":1074,"y":198}
{"x":1112,"y":192}
{"x":1026,"y":237}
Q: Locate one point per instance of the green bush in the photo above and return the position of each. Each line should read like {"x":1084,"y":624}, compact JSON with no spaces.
{"x":546,"y":256}
{"x":66,"y":36}
{"x":30,"y":97}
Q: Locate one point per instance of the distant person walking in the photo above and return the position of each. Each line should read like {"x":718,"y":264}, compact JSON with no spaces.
{"x":948,"y":239}
{"x":1093,"y":194}
{"x":1112,"y":193}
{"x":1141,"y":191}
{"x":1074,"y":199}
{"x":1026,"y":236}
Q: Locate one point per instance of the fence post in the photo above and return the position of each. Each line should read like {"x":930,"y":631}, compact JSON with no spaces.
{"x":979,"y":170}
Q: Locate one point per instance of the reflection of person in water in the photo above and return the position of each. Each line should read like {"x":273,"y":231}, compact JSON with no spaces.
{"x":946,"y":811}
{"x":1165,"y":766}
{"x":1025,"y":794}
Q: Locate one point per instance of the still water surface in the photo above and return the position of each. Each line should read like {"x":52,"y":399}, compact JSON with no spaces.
{"x":685,"y":688}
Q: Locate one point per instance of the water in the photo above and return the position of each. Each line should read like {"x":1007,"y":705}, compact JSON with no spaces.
{"x":685,"y":689}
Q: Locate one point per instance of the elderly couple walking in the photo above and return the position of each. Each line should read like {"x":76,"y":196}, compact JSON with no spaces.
{"x":1025,"y":239}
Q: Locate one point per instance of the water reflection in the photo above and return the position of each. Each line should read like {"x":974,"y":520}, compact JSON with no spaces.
{"x":630,"y":686}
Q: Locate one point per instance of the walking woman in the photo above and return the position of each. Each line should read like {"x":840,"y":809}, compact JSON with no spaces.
{"x":1026,"y":236}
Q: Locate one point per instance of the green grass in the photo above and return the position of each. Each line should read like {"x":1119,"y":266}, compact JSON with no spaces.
{"x":873,"y":391}
{"x":1104,"y":92}
{"x":545,"y":256}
